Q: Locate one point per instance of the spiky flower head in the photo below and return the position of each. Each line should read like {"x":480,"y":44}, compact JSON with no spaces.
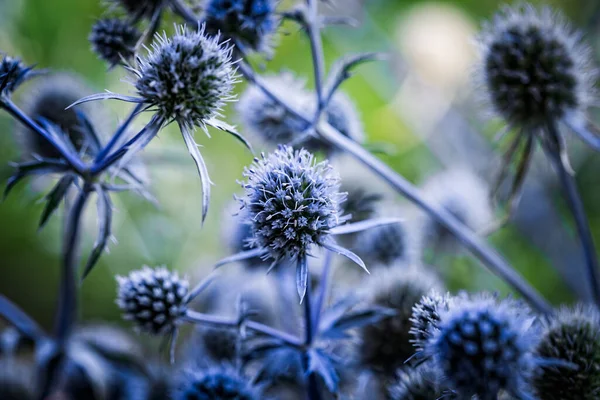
{"x":114,"y":40}
{"x":382,"y":245}
{"x":483,"y":347}
{"x":534,"y":66}
{"x":12,"y":73}
{"x":426,"y":317}
{"x":250,"y":23}
{"x":221,"y":383}
{"x":291,"y":202}
{"x":187,"y":77}
{"x":15,"y":380}
{"x":48,"y":99}
{"x":266,"y":120}
{"x":385,"y":345}
{"x":153,"y":298}
{"x":421,"y":383}
{"x":140,"y":8}
{"x":220,"y":345}
{"x":571,"y":343}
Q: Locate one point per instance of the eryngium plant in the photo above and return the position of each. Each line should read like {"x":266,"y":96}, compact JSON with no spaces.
{"x":114,"y":40}
{"x":218,"y":382}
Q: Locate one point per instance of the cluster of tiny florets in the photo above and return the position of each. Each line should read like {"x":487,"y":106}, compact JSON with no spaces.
{"x":114,"y":40}
{"x":482,"y":347}
{"x":12,"y":73}
{"x":386,"y":345}
{"x":187,"y":77}
{"x":426,"y":318}
{"x":153,"y":298}
{"x":216,"y":383}
{"x":268,"y":121}
{"x":291,"y":202}
{"x":570,"y":341}
{"x":250,"y":23}
{"x":48,"y":99}
{"x":534,"y":66}
{"x":383,"y":245}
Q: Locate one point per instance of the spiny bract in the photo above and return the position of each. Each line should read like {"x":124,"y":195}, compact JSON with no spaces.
{"x":114,"y":40}
{"x":291,"y":202}
{"x":385,"y":345}
{"x":153,"y":298}
{"x":534,"y":66}
{"x":571,"y":336}
{"x":187,"y":77}
{"x":249,"y":22}
{"x":216,"y":383}
{"x":483,"y":346}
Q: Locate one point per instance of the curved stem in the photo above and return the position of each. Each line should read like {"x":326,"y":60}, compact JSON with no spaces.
{"x":316,"y":49}
{"x":578,"y":211}
{"x":200,"y":318}
{"x":67,"y":300}
{"x":20,"y":116}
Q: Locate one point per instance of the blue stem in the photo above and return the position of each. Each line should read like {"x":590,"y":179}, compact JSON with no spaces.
{"x":323,"y":291}
{"x":313,"y":390}
{"x":578,"y":211}
{"x":20,"y":116}
{"x":119,"y":133}
{"x":67,"y":302}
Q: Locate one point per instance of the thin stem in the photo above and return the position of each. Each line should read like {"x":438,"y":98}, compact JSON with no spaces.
{"x":119,"y":133}
{"x":578,"y":211}
{"x":490,"y":258}
{"x":316,"y":49}
{"x":199,"y":318}
{"x":323,"y":291}
{"x":313,"y":390}
{"x":67,"y":301}
{"x":20,"y":116}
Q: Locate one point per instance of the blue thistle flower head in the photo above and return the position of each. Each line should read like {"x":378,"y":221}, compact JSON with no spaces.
{"x":534,"y":66}
{"x":114,"y":40}
{"x":570,"y":341}
{"x":483,"y":347}
{"x":13,"y":73}
{"x":251,"y":23}
{"x":386,"y":345}
{"x":220,"y":382}
{"x":383,"y":245}
{"x":291,"y":202}
{"x":187,"y":77}
{"x":269,"y":122}
{"x":421,"y":383}
{"x":153,"y":298}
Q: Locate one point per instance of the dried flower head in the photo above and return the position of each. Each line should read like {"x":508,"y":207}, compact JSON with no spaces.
{"x":154,"y":298}
{"x":291,"y":202}
{"x":221,"y":383}
{"x":482,"y":347}
{"x":251,"y":23}
{"x":534,"y":66}
{"x":421,"y":383}
{"x":186,"y":78}
{"x":12,"y":73}
{"x":266,"y":120}
{"x":114,"y":40}
{"x":426,"y":317}
{"x":386,"y":345}
{"x":48,"y":99}
{"x":571,"y":336}
{"x":218,"y":344}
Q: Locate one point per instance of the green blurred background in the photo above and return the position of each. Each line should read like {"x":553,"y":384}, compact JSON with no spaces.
{"x":53,"y":34}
